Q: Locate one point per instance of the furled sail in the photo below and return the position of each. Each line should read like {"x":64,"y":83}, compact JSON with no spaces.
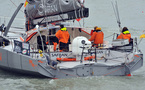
{"x":54,"y":10}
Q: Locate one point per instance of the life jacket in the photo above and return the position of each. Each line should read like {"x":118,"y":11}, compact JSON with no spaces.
{"x":124,"y":36}
{"x":62,"y":35}
{"x":97,"y":37}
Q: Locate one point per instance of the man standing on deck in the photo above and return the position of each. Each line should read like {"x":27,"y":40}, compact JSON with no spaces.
{"x":97,"y":36}
{"x":63,"y":37}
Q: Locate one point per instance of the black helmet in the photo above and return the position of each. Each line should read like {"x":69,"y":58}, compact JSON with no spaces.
{"x":61,"y":26}
{"x":124,"y":29}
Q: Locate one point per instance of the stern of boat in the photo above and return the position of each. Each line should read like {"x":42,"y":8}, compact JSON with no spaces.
{"x":135,"y":64}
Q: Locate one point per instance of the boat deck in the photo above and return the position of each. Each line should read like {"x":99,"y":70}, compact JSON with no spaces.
{"x":109,"y":61}
{"x":110,"y":58}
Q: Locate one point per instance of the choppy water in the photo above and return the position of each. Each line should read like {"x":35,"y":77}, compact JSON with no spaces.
{"x":132,"y":15}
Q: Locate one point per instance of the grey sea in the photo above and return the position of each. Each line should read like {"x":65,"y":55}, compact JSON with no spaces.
{"x":132,"y":15}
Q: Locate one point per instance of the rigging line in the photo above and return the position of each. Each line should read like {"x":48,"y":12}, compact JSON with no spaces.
{"x":114,"y":11}
{"x":118,"y":14}
{"x":4,"y":20}
{"x":75,"y":9}
{"x":80,"y":24}
{"x":118,"y":69}
{"x":83,"y":22}
{"x":115,"y":8}
{"x":109,"y":36}
{"x":139,"y":42}
{"x":46,"y":20}
{"x":38,"y":30}
{"x":82,"y":16}
{"x":6,"y":17}
{"x":114,"y":60}
{"x":19,"y":33}
{"x":114,"y":57}
{"x":17,"y":28}
{"x":15,"y":5}
{"x":114,"y":71}
{"x":76,"y":12}
{"x":124,"y":56}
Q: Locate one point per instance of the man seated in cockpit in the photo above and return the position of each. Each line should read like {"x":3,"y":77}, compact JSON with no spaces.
{"x":125,"y":34}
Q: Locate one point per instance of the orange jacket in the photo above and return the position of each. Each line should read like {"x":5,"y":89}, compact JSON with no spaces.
{"x":124,"y":36}
{"x":63,"y":36}
{"x":97,"y":37}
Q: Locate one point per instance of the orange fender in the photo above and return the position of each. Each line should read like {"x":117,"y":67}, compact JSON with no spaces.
{"x":89,"y":58}
{"x":74,"y":59}
{"x":66,"y":59}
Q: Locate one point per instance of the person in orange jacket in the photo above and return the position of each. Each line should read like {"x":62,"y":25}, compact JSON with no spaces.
{"x":63,"y":37}
{"x":125,"y":34}
{"x":97,"y":36}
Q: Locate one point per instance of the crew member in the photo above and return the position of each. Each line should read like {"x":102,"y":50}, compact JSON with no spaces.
{"x":125,"y":34}
{"x":97,"y":36}
{"x":63,"y":37}
{"x":93,"y":30}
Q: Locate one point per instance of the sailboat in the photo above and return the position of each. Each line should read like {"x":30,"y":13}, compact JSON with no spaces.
{"x":29,"y":54}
